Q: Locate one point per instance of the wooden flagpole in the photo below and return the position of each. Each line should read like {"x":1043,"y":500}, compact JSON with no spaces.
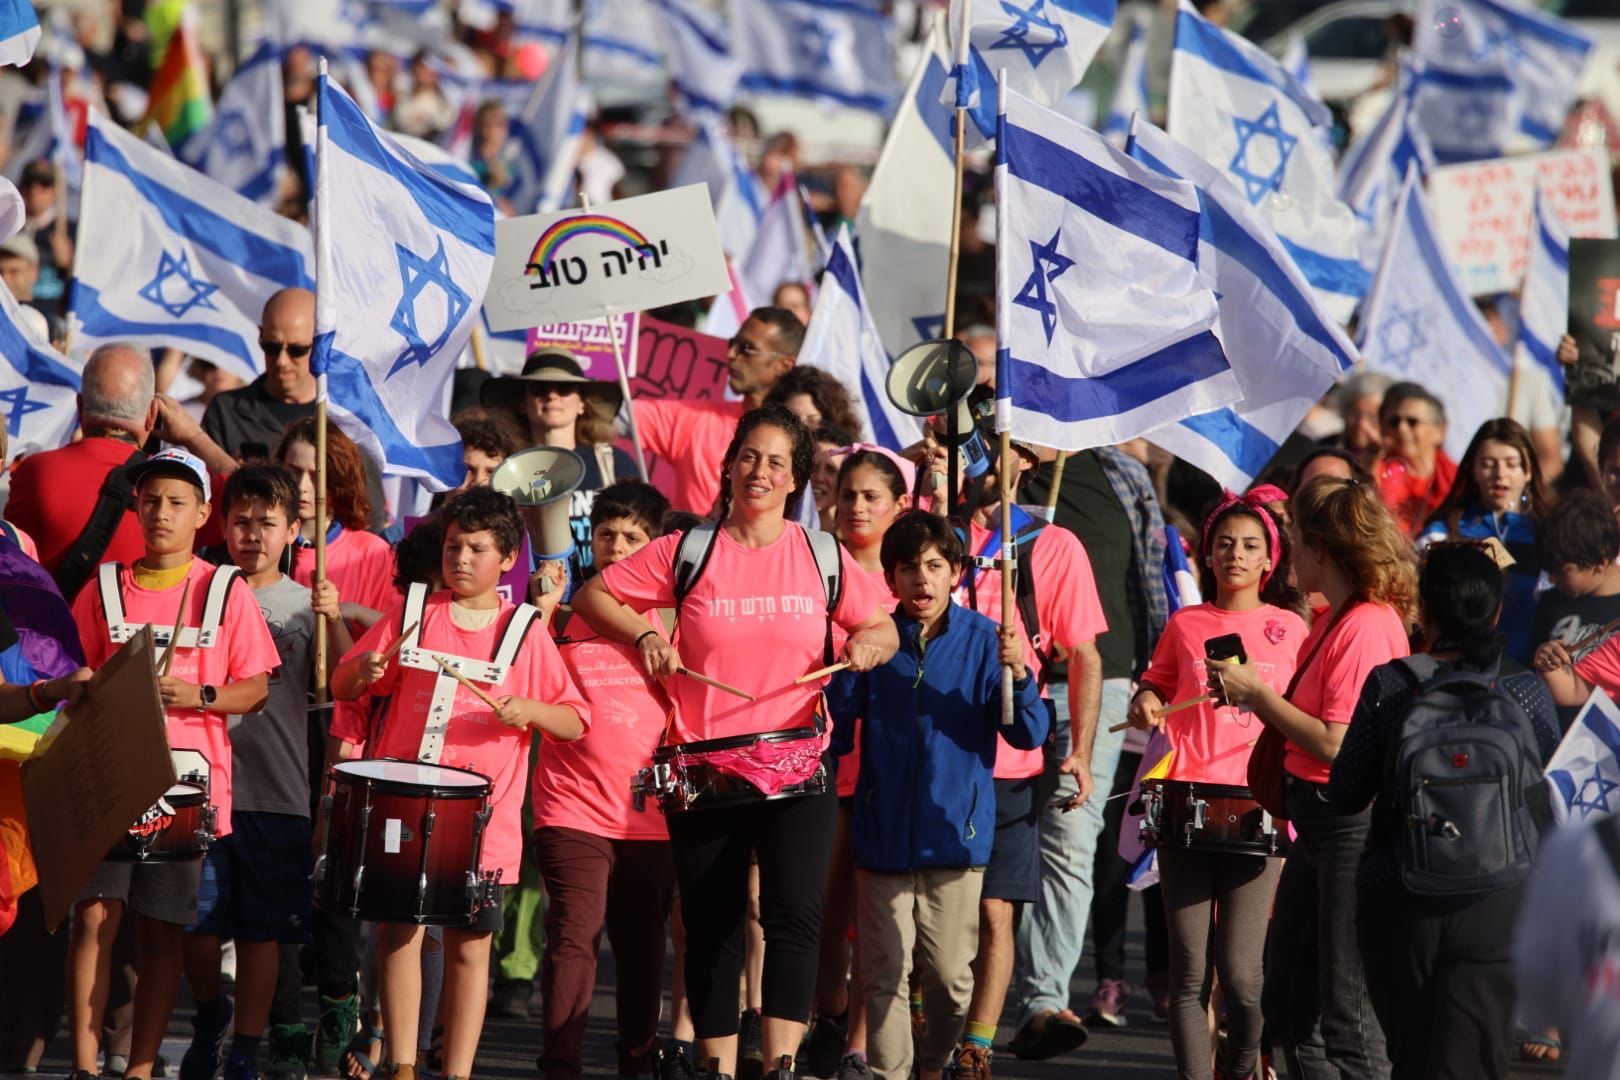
{"x":610,"y":318}
{"x":319,"y":663}
{"x":1004,"y":469}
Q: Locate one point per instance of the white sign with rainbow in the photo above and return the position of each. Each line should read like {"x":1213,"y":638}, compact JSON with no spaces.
{"x":627,"y":255}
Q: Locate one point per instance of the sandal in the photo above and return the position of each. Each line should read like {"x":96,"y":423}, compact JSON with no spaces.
{"x":359,"y":1060}
{"x":1545,"y":1049}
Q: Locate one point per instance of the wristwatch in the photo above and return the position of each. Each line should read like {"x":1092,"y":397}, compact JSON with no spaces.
{"x":209,"y":695}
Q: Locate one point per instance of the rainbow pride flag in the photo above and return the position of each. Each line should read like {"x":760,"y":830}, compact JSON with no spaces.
{"x":181,"y":105}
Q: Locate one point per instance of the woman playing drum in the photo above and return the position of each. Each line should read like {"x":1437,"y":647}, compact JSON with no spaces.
{"x":1243,"y":564}
{"x":753,"y":614}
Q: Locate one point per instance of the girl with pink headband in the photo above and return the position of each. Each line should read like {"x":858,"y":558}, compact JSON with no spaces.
{"x":1243,"y":566}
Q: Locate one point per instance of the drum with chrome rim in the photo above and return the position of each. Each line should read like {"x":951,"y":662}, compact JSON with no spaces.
{"x":1195,"y":816}
{"x":732,"y":771}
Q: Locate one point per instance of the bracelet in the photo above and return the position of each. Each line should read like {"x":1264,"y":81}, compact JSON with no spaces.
{"x":39,"y":704}
{"x":643,"y":636}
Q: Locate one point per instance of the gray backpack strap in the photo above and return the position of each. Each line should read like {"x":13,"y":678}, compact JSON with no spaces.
{"x":219,"y":590}
{"x":691,"y":556}
{"x":830,"y":568}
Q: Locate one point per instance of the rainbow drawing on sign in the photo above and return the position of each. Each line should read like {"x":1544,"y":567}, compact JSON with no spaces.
{"x":559,"y":233}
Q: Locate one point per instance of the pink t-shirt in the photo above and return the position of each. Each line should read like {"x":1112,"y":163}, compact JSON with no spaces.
{"x":1066,"y":601}
{"x":1601,"y":667}
{"x":1367,"y":635}
{"x":692,"y":437}
{"x":359,"y":563}
{"x":585,"y":784}
{"x":244,"y":649}
{"x":849,"y":766}
{"x":1212,"y":744}
{"x":475,"y":740}
{"x":756,"y":619}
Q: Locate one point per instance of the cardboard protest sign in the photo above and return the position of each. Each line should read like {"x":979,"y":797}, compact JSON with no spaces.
{"x":588,"y":340}
{"x":1594,"y":323}
{"x":627,"y":255}
{"x":676,"y":363}
{"x":1483,"y":210}
{"x":108,"y":765}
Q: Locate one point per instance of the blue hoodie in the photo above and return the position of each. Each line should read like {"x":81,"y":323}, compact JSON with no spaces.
{"x":930,"y":718}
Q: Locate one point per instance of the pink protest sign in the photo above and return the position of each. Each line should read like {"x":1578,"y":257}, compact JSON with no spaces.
{"x":676,"y":363}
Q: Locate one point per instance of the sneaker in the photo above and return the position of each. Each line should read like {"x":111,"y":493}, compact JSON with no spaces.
{"x":289,"y":1049}
{"x":511,"y":1000}
{"x":971,"y":1062}
{"x":1048,"y":1034}
{"x":340,"y":1019}
{"x":750,"y":1053}
{"x":1158,"y":988}
{"x":208,"y":1035}
{"x":854,"y":1067}
{"x":1108,"y":1004}
{"x":784,"y":1069}
{"x":824,"y":1050}
{"x":241,"y":1067}
{"x":674,"y":1065}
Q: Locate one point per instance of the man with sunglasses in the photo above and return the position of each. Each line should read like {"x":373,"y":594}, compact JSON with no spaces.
{"x":249,"y":421}
{"x":693,"y":435}
{"x":1414,"y":474}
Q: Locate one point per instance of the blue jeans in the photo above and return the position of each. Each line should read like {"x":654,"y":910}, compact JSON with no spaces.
{"x":1052,"y":933}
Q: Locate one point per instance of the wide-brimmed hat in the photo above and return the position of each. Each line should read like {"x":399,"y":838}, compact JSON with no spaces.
{"x":551,"y":367}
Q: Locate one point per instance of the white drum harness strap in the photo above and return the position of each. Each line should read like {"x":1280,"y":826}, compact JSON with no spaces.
{"x":491,"y":672}
{"x":191,"y":637}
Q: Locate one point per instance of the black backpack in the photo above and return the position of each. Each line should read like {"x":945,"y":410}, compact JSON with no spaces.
{"x":1464,"y":774}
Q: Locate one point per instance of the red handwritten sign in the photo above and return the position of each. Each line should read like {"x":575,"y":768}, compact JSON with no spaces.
{"x":674,"y":362}
{"x":1483,"y":211}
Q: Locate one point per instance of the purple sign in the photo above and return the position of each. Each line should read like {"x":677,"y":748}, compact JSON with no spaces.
{"x":589,"y":341}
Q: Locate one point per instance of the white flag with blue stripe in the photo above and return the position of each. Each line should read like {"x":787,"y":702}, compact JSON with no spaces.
{"x":843,"y":341}
{"x":904,"y":225}
{"x":1239,"y":110}
{"x":1296,"y":59}
{"x":1419,"y":324}
{"x":39,"y":387}
{"x":703,"y":70}
{"x":1044,"y":46}
{"x":1544,"y":303}
{"x":548,"y":132}
{"x":1287,"y":351}
{"x":19,"y":32}
{"x":1376,"y":163}
{"x":1131,"y":87}
{"x":825,"y":50}
{"x":1106,"y":326}
{"x":177,"y":260}
{"x":245,"y":147}
{"x":404,"y":257}
{"x":1492,"y":70}
{"x":735,"y":191}
{"x":1584,"y":772}
{"x":780,"y":252}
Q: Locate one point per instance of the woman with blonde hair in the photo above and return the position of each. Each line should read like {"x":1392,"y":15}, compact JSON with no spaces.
{"x":1347,"y":547}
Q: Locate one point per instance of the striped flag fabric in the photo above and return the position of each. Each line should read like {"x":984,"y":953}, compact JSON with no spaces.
{"x":19,"y":32}
{"x":245,"y":147}
{"x":39,"y":387}
{"x":1131,"y":87}
{"x":1544,"y":303}
{"x":1584,"y":772}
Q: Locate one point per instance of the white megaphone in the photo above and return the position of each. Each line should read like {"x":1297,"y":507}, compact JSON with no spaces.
{"x":540,"y":481}
{"x":936,"y":377}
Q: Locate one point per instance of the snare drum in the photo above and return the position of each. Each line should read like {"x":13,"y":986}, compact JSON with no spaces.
{"x":1196,"y":816}
{"x":177,"y":827}
{"x":402,"y":843}
{"x":716,"y":772}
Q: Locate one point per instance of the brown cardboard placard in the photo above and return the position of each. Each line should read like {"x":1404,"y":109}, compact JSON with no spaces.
{"x":108,"y":764}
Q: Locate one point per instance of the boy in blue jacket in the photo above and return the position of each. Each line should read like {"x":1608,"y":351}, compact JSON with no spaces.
{"x":925,"y":809}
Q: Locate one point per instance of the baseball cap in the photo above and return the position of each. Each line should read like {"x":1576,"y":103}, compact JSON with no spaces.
{"x":171,"y":462}
{"x":20,"y":246}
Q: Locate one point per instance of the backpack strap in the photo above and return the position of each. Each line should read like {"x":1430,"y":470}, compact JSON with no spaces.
{"x":1419,"y":667}
{"x":830,"y":568}
{"x":114,"y":500}
{"x":692,"y":557}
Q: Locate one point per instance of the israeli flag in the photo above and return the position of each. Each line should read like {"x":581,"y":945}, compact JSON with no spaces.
{"x":548,"y":132}
{"x":734,"y":190}
{"x":245,"y":148}
{"x":19,"y":32}
{"x":1296,"y":60}
{"x":404,"y":257}
{"x":1284,"y":346}
{"x":1495,"y":68}
{"x":1376,"y":163}
{"x":1239,"y":110}
{"x":1584,"y":772}
{"x":1106,"y":325}
{"x":1544,"y":304}
{"x":904,"y":223}
{"x":779,"y":253}
{"x":1419,"y":324}
{"x":702,"y":68}
{"x":825,"y":50}
{"x":177,"y":261}
{"x":843,"y":341}
{"x":1044,"y":46}
{"x":39,"y":386}
{"x":1131,"y":87}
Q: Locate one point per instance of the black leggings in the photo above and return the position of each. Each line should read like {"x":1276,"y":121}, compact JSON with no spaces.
{"x":792,"y":839}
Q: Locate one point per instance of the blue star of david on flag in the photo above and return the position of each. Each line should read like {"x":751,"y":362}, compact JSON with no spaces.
{"x":233,"y":135}
{"x":1593,"y":796}
{"x":1474,"y":118}
{"x":20,"y":406}
{"x":815,"y":42}
{"x":1268,"y":125}
{"x":175,"y":290}
{"x":415,"y":275}
{"x":1402,"y":335}
{"x":929,"y":327}
{"x":1031,"y":32}
{"x":1049,"y":265}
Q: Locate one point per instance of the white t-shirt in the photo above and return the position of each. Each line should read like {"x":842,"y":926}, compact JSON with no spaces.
{"x":1539,"y":405}
{"x":1567,"y":952}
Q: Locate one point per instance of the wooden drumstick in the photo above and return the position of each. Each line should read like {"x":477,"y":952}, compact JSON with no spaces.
{"x":814,"y":675}
{"x":1177,"y":707}
{"x":167,"y":659}
{"x":468,"y":683}
{"x":716,"y":683}
{"x":399,"y":642}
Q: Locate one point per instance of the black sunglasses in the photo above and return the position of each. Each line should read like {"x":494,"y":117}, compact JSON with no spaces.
{"x":272,"y":349}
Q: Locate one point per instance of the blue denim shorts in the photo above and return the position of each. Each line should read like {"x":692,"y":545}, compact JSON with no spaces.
{"x":1014,"y":870}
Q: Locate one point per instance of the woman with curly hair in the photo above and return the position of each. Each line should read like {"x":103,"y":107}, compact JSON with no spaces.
{"x":1347,"y":547}
{"x":816,"y":398}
